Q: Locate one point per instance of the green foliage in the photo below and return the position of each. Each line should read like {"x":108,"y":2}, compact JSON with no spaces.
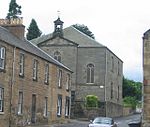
{"x":14,"y":10}
{"x":132,"y":88}
{"x":91,"y":101}
{"x":33,"y":31}
{"x":84,"y":29}
{"x":130,"y":102}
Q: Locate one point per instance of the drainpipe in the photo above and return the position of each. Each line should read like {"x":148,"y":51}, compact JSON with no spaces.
{"x":11,"y":85}
{"x":105,"y":82}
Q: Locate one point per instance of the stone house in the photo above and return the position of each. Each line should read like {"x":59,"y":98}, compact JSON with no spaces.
{"x":146,"y":79}
{"x":97,"y":70}
{"x":34,"y":87}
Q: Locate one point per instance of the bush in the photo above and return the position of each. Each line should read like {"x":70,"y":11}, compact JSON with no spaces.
{"x":91,"y":101}
{"x":130,"y":102}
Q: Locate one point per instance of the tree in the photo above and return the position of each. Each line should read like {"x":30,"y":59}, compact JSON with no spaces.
{"x":84,"y":29}
{"x":132,"y":89}
{"x":33,"y":30}
{"x":14,"y":10}
{"x":130,"y":102}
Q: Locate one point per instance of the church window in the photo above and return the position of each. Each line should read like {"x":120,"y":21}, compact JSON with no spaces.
{"x":90,"y":73}
{"x":111,"y":94}
{"x":57,"y":56}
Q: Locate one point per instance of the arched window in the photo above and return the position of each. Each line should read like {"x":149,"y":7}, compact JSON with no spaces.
{"x":57,"y":56}
{"x":90,"y":73}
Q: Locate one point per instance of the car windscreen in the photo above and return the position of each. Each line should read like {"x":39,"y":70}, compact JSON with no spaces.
{"x":102,"y":121}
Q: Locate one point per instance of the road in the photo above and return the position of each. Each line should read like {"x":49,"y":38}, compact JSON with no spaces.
{"x":121,"y":122}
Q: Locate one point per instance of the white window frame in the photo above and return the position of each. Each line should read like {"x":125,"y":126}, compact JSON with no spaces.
{"x":68,"y":81}
{"x":20,"y":103}
{"x":46,"y":107}
{"x":35,"y":68}
{"x":60,"y":78}
{"x":67,"y":106}
{"x":1,"y":99}
{"x":21,"y":72}
{"x":46,"y":73}
{"x":2,"y":57}
{"x":59,"y":105}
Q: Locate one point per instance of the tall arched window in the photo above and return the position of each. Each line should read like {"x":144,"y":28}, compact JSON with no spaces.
{"x":90,"y":73}
{"x":57,"y":56}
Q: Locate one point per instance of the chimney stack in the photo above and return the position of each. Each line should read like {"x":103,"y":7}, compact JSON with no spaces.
{"x":15,"y":26}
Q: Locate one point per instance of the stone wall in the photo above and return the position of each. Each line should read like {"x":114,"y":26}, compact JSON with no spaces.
{"x":13,"y":84}
{"x":146,"y":80}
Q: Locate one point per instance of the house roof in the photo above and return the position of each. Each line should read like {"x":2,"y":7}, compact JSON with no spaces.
{"x":25,"y":45}
{"x":73,"y":35}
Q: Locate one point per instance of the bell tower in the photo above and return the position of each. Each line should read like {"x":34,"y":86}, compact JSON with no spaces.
{"x":58,"y":27}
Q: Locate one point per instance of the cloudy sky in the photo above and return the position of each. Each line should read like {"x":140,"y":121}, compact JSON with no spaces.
{"x":117,"y":24}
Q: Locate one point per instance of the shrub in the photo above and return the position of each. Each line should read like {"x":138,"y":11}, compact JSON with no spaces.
{"x":91,"y":101}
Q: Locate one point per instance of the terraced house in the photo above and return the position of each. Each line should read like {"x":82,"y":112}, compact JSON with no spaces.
{"x":34,"y":87}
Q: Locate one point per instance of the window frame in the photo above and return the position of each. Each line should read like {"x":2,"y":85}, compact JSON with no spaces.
{"x":59,"y":105}
{"x":1,"y":99}
{"x":60,"y":78}
{"x":35,"y":69}
{"x":67,"y":106}
{"x":46,"y":80}
{"x":20,"y":103}
{"x":111,"y":92}
{"x":46,"y":107}
{"x":57,"y":56}
{"x":90,"y":73}
{"x":68,"y":81}
{"x":2,"y":57}
{"x":21,"y":64}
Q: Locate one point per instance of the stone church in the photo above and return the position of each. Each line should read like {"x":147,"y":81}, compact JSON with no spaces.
{"x":97,"y":70}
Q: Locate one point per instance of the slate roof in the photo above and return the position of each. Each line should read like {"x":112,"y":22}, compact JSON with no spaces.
{"x":74,"y":35}
{"x":9,"y":38}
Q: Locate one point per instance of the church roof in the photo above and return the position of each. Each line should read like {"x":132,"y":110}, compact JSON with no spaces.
{"x":73,"y":35}
{"x":25,"y":45}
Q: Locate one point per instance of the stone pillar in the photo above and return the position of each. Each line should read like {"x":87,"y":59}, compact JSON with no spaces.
{"x":146,"y":81}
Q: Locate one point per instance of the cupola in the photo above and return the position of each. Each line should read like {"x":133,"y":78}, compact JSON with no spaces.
{"x":58,"y":27}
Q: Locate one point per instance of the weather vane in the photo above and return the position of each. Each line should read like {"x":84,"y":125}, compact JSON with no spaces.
{"x":58,"y":13}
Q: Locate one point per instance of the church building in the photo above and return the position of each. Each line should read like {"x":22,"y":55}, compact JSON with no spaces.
{"x":96,"y":69}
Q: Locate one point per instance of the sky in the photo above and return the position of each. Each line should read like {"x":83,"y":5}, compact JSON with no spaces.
{"x":117,"y":24}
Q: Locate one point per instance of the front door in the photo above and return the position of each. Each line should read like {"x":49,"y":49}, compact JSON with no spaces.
{"x":33,"y":109}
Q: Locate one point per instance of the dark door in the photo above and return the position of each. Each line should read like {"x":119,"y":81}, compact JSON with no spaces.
{"x":33,"y":109}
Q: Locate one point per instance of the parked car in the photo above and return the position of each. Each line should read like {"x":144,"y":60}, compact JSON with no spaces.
{"x":102,"y":122}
